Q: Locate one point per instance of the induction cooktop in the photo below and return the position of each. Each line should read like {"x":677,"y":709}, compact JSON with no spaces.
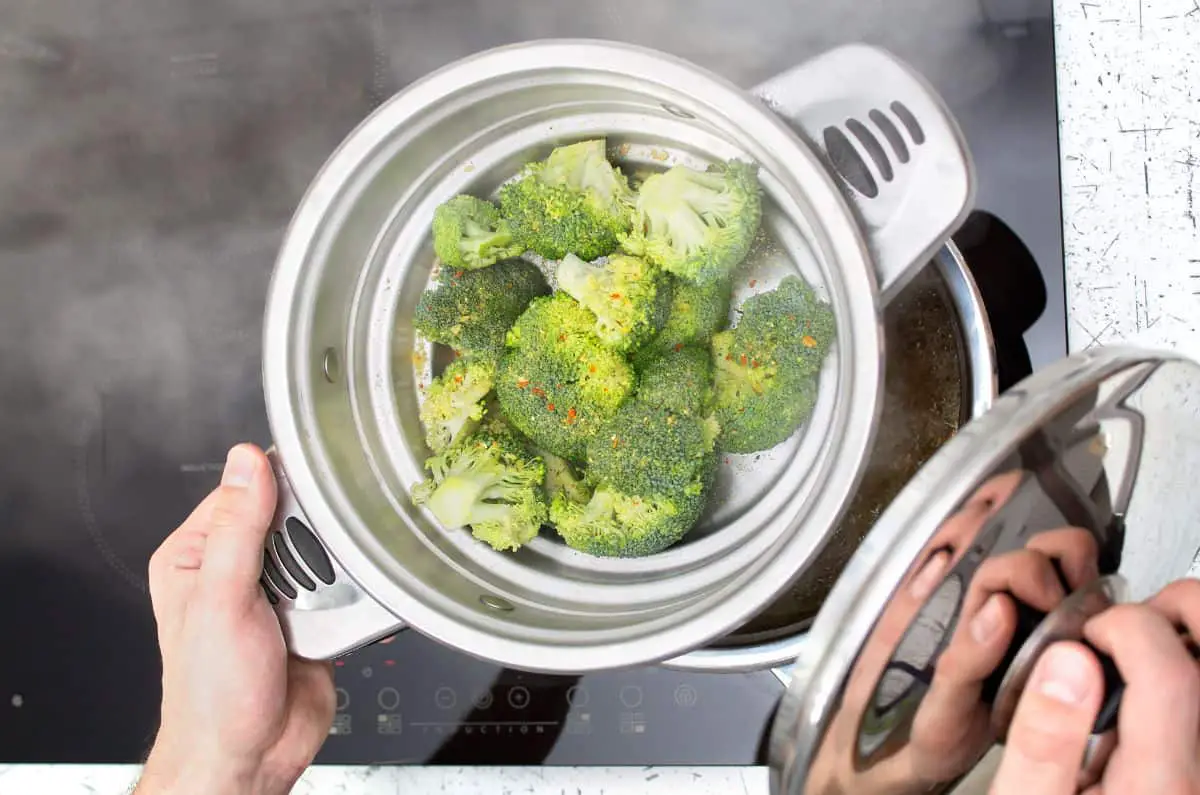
{"x":152,"y":154}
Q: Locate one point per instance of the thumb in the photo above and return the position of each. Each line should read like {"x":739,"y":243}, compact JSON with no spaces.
{"x":239,"y":517}
{"x":1050,"y":729}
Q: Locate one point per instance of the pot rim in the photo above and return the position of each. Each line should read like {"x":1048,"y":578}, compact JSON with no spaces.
{"x":288,"y":368}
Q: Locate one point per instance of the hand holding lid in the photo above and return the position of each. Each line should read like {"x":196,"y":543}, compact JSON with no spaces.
{"x":1067,"y":497}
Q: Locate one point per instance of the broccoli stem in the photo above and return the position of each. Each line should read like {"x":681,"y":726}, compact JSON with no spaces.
{"x":455,"y":500}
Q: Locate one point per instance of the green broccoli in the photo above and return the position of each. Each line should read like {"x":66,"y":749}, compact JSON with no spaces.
{"x":679,"y":380}
{"x":614,"y":524}
{"x":468,"y":233}
{"x":563,"y":478}
{"x":490,"y":482}
{"x":697,"y":311}
{"x":646,"y":449}
{"x":788,"y":323}
{"x":628,"y":296}
{"x":471,"y":311}
{"x":698,"y":224}
{"x":573,"y":202}
{"x":557,"y":383}
{"x":766,"y":368}
{"x":453,"y":402}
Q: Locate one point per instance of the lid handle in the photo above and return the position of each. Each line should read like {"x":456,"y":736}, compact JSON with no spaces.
{"x":897,"y":155}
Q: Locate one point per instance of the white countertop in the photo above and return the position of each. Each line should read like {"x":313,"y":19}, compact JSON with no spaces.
{"x":1130,"y":142}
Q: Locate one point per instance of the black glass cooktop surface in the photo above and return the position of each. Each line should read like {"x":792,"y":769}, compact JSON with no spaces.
{"x":151,"y":152}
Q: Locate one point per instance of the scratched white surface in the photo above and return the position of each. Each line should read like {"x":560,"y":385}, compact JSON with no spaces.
{"x":1129,"y":99}
{"x":1129,"y":85}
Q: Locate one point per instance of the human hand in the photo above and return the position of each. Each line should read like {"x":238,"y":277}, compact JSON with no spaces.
{"x":1158,"y":727}
{"x":239,"y":715}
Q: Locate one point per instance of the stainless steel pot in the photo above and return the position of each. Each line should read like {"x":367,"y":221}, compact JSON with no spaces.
{"x":854,"y":211}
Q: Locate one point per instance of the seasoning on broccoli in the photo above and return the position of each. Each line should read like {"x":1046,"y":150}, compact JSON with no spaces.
{"x":647,"y":449}
{"x":698,"y":225}
{"x":557,"y":383}
{"x":766,"y":368}
{"x":453,"y":403}
{"x":468,"y":233}
{"x":612,"y":523}
{"x":628,"y":296}
{"x":472,"y":310}
{"x":679,"y":380}
{"x":490,"y":482}
{"x":573,"y":202}
{"x":697,"y":311}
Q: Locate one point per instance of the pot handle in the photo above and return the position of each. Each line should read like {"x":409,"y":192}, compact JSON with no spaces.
{"x":892,"y":147}
{"x":323,"y":612}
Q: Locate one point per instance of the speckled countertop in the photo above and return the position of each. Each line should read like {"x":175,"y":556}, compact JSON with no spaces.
{"x":1130,"y":134}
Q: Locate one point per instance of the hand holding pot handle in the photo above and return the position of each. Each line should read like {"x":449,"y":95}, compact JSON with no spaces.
{"x":238,"y":713}
{"x":890,"y":143}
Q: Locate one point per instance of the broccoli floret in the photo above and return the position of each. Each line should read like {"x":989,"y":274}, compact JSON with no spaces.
{"x":562,"y":478}
{"x":646,"y":449}
{"x":574,"y":202}
{"x":471,"y":311}
{"x":679,"y":380}
{"x":612,"y":523}
{"x":697,"y":311}
{"x":698,"y":224}
{"x":490,"y":482}
{"x":628,"y":296}
{"x":454,"y":402}
{"x":766,"y":368}
{"x":558,"y":383}
{"x":469,"y":233}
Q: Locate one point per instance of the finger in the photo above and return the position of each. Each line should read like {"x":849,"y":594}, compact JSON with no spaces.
{"x":1160,"y":708}
{"x":1179,"y":602}
{"x":949,"y":717}
{"x":238,"y":520}
{"x":1076,"y":551}
{"x":1026,"y":574}
{"x":1050,"y":729}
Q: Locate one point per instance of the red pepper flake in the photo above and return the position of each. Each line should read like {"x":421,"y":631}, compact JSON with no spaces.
{"x":616,"y":442}
{"x":458,"y":379}
{"x":742,"y":360}
{"x":729,"y":357}
{"x":549,"y":407}
{"x":754,"y":364}
{"x":678,"y":347}
{"x":571,"y":413}
{"x":458,"y":354}
{"x":522,"y":383}
{"x":753,"y":282}
{"x":539,"y":392}
{"x":591,"y":368}
{"x":458,"y":274}
{"x":562,"y":337}
{"x":808,"y":341}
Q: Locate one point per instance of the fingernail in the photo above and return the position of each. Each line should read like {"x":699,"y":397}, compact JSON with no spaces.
{"x":987,"y":621}
{"x":239,"y":468}
{"x":1064,"y":675}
